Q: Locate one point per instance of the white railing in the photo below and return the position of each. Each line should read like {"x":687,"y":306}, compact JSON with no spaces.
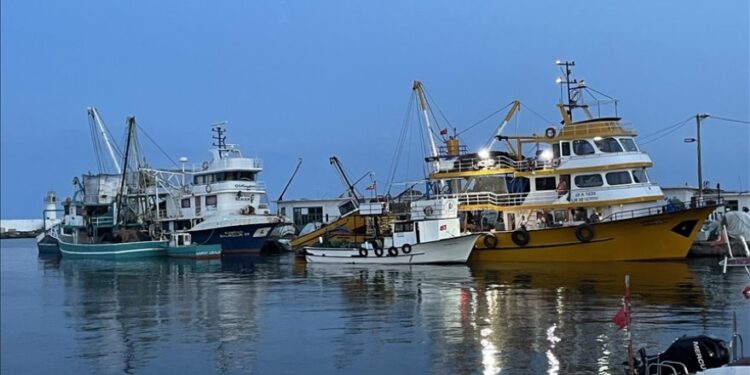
{"x":506,"y":199}
{"x":593,"y":128}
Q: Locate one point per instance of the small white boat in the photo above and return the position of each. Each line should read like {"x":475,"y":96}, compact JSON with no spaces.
{"x":451,"y":250}
{"x":430,"y":236}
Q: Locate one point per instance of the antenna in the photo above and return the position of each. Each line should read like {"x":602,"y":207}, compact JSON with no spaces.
{"x":565,"y":67}
{"x":218,"y":129}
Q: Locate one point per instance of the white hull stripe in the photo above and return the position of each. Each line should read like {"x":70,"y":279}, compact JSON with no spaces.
{"x":95,"y":252}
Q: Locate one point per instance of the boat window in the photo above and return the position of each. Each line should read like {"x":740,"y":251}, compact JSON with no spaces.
{"x":618,"y":178}
{"x":628,"y":144}
{"x":582,"y":147}
{"x":186,"y":203}
{"x":305,"y":215}
{"x":198,"y":180}
{"x":608,"y":145}
{"x":209,"y":178}
{"x":346,"y":208}
{"x":403,"y":227}
{"x":219,"y":177}
{"x":639,"y":176}
{"x":230,"y":176}
{"x":246,"y":176}
{"x":556,"y":150}
{"x":210,"y":201}
{"x":544,"y":183}
{"x":589,"y":180}
{"x":566,"y":149}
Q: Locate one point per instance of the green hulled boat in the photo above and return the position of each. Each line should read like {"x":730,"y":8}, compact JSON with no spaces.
{"x":124,"y":250}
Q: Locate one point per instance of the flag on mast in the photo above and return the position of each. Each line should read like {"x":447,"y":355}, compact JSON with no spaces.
{"x":371,"y":187}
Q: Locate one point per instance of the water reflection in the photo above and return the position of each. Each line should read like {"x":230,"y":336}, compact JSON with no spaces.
{"x":277,"y":314}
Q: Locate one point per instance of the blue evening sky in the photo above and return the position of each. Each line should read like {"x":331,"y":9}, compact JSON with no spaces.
{"x":312,"y":79}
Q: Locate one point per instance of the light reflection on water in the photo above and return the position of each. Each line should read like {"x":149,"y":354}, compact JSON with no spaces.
{"x":280,"y":315}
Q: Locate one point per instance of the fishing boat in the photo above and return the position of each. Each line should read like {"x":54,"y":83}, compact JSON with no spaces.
{"x":577,"y":192}
{"x":429,"y":235}
{"x":220,"y":201}
{"x":106,"y":218}
{"x":181,"y":246}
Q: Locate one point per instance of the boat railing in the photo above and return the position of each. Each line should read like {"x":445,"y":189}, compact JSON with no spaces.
{"x":659,"y":209}
{"x":102,"y":221}
{"x":506,"y":199}
{"x":596,"y":128}
{"x":229,"y":163}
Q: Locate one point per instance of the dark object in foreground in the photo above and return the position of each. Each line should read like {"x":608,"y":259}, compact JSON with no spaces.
{"x":686,"y":355}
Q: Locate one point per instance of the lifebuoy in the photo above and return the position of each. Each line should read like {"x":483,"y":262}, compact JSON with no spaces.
{"x":378,"y":251}
{"x":550,"y":133}
{"x":520,"y":237}
{"x":204,"y":165}
{"x":208,"y":188}
{"x":555,"y":163}
{"x":489,"y":241}
{"x":428,"y":210}
{"x":186,"y":189}
{"x":406,"y":249}
{"x":363,"y":253}
{"x":392,"y":251}
{"x":585,"y":232}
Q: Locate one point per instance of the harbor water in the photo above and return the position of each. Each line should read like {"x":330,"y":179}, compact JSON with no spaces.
{"x":279,"y":315}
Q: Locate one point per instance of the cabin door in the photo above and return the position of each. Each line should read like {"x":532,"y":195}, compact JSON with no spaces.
{"x":197,"y":206}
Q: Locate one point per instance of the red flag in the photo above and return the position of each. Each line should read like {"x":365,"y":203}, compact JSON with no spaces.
{"x":621,"y":318}
{"x":371,"y":187}
{"x":443,"y":131}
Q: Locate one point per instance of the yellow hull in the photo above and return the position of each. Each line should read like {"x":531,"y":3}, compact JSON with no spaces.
{"x":653,"y":237}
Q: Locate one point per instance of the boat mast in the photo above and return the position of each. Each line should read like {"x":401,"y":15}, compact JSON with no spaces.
{"x":100,"y":124}
{"x":131,"y":126}
{"x":430,"y":134}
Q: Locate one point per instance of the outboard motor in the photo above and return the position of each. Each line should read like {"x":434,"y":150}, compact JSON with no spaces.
{"x":686,"y":355}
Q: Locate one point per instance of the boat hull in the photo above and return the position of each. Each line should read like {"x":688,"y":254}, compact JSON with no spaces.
{"x":195,"y":251}
{"x":236,"y":239}
{"x":125,"y":250}
{"x":48,"y":245}
{"x":653,"y":237}
{"x":451,"y":250}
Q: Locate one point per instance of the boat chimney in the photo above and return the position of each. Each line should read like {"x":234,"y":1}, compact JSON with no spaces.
{"x":451,"y":146}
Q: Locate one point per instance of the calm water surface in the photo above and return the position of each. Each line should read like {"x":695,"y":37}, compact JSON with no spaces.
{"x":278,"y":315}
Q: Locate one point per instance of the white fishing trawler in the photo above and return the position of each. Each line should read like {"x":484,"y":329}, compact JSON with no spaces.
{"x":219,"y":202}
{"x":430,"y":233}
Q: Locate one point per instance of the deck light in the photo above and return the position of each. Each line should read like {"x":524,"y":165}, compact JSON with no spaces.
{"x":558,"y":80}
{"x":546,"y":155}
{"x":597,"y":138}
{"x":484,"y":153}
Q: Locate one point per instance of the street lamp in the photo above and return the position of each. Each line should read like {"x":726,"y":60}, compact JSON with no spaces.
{"x":697,"y":140}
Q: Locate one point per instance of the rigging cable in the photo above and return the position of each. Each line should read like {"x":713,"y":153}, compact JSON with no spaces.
{"x":661,"y":133}
{"x":537,"y":114}
{"x":484,"y":119}
{"x":400,"y":143}
{"x":157,"y":146}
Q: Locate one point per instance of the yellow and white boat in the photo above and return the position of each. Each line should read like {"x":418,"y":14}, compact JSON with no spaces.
{"x":583,"y":196}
